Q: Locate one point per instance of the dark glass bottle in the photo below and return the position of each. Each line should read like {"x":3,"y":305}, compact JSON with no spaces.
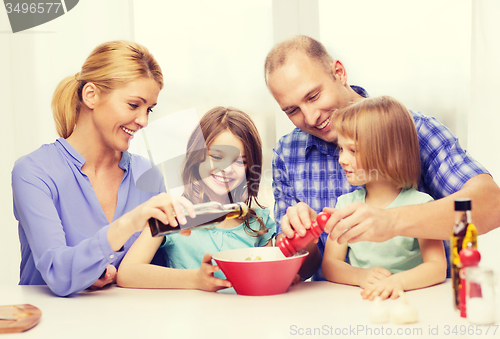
{"x":207,"y":213}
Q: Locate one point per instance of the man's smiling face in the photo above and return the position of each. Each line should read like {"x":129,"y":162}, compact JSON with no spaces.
{"x":310,"y":95}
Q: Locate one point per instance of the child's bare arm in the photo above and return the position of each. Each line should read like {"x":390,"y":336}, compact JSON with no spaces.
{"x":335,"y":269}
{"x":332,"y":264}
{"x":136,"y":270}
{"x":432,"y":271}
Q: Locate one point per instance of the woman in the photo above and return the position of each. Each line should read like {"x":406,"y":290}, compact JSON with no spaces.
{"x":76,"y":200}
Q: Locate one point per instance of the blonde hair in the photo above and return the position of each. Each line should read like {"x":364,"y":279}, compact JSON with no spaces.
{"x":109,"y":66}
{"x":385,"y":138}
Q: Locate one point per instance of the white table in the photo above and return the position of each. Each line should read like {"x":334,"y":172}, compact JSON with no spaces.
{"x":322,"y":308}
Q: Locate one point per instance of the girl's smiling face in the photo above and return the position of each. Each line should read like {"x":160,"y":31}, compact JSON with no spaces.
{"x":225,"y":166}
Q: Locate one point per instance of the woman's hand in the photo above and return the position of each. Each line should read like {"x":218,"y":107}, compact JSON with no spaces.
{"x":109,"y":278}
{"x":205,"y":277}
{"x":163,"y":207}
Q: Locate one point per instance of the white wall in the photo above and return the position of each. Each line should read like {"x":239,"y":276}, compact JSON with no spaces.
{"x":484,"y":114}
{"x":415,"y":51}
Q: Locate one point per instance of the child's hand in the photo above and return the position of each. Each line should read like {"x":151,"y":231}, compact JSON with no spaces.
{"x":385,"y":288}
{"x":373,"y":275}
{"x":109,"y":278}
{"x":205,"y":277}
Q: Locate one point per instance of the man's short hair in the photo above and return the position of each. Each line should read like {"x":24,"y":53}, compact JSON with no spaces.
{"x":312,"y":48}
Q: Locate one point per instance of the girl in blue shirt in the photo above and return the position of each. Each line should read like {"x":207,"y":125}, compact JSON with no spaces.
{"x":76,"y":201}
{"x":378,"y":149}
{"x":223,"y":154}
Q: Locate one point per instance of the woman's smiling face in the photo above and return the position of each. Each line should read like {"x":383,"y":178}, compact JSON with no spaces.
{"x":225,"y":165}
{"x":119,"y":114}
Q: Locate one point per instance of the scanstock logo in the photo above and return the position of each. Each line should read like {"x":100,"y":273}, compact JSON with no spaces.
{"x":25,"y":14}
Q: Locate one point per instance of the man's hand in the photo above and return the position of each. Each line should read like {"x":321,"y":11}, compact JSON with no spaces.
{"x":297,"y":219}
{"x":360,"y":222}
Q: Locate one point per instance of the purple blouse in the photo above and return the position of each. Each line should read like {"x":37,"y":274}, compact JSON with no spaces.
{"x":62,"y":227}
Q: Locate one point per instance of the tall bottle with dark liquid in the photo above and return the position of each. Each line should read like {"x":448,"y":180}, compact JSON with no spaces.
{"x":464,"y":235}
{"x":207,"y":213}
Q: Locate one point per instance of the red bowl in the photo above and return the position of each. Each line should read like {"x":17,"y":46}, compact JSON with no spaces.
{"x":272,"y":274}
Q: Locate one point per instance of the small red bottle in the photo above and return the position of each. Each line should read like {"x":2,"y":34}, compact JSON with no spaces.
{"x":291,"y":246}
{"x":469,"y":257}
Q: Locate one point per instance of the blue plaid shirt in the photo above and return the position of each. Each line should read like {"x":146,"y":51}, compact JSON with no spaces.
{"x":307,"y":169}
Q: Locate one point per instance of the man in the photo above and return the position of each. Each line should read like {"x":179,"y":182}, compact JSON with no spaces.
{"x":309,"y":85}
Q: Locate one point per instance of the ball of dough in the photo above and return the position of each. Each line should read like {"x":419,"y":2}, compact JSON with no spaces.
{"x":403,"y":312}
{"x":378,"y":313}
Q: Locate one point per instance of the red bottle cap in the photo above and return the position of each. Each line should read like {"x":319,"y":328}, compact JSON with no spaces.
{"x":470,"y":257}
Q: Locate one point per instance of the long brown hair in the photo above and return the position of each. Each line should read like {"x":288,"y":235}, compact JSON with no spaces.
{"x":215,"y":121}
{"x":109,"y":66}
{"x":385,"y":138}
